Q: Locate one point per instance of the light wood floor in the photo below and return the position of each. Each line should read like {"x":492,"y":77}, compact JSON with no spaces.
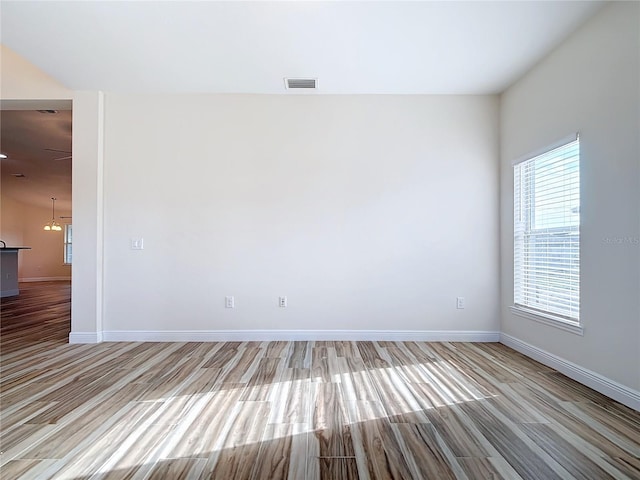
{"x":304,"y":410}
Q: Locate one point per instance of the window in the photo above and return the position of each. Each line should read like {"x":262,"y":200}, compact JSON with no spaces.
{"x":547,"y":235}
{"x":68,"y":234}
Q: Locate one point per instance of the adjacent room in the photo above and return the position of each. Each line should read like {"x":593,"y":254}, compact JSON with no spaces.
{"x":36,"y":219}
{"x":320,"y":240}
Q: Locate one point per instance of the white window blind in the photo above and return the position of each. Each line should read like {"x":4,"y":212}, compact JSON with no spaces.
{"x":547,"y":233}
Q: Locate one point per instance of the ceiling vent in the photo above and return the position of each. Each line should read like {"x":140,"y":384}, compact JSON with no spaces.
{"x":301,"y":83}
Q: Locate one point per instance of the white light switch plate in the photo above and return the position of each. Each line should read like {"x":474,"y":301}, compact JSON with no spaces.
{"x":137,"y":243}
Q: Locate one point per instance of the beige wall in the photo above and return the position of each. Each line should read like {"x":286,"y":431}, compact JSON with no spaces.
{"x":21,"y":225}
{"x":11,"y":221}
{"x":45,"y":260}
{"x":21,"y":80}
{"x":590,"y":84}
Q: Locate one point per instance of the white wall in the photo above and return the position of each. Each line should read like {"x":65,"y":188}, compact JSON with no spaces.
{"x":86,"y":288}
{"x":589,"y":84}
{"x":368,"y":212}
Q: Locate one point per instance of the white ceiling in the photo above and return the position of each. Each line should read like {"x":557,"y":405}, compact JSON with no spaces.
{"x":367,"y":47}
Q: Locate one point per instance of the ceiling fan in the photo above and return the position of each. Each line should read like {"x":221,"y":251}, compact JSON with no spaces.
{"x":66,"y":157}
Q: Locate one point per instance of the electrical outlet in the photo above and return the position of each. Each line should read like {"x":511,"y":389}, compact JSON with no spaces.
{"x":282,"y":302}
{"x":460,"y":303}
{"x":229,"y":302}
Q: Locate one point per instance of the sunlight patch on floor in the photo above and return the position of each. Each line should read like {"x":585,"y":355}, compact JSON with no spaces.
{"x":448,"y":391}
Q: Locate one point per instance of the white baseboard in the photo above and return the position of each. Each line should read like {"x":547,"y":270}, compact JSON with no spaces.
{"x":45,"y":279}
{"x":300,"y":335}
{"x":604,"y":385}
{"x":85,"y":337}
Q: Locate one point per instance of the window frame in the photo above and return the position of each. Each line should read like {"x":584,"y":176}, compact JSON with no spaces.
{"x":546,"y":317}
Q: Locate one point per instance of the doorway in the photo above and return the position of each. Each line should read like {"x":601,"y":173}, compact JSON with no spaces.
{"x":36,"y":182}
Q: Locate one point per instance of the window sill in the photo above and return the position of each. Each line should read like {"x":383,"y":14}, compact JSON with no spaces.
{"x":549,"y":320}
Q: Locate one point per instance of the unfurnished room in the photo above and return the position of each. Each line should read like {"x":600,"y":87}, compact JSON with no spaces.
{"x":320,"y":240}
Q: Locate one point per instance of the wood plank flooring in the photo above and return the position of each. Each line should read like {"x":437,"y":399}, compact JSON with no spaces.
{"x":298,"y":410}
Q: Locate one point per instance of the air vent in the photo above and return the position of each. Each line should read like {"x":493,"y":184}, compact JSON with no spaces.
{"x":301,"y":83}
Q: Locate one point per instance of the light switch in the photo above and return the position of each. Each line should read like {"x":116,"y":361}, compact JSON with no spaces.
{"x":137,"y":243}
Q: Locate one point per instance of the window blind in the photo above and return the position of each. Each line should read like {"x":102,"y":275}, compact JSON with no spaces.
{"x":547,"y":232}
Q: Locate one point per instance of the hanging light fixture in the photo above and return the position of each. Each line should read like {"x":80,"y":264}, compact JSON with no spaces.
{"x":53,"y":225}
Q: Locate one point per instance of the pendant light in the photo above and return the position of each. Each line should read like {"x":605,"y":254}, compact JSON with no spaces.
{"x":53,"y":225}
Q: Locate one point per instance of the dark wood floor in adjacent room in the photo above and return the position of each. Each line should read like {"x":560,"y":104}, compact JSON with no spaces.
{"x":304,"y":410}
{"x":39,"y":316}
